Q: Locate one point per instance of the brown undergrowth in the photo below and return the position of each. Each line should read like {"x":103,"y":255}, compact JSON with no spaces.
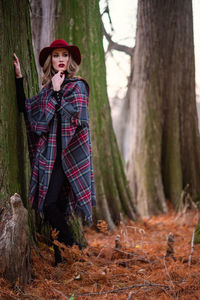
{"x":136,"y":269}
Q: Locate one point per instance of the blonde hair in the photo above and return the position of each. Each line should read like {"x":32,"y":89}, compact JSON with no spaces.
{"x":49,"y":72}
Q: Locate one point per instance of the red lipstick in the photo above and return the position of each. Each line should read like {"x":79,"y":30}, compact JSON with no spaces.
{"x":61,"y":65}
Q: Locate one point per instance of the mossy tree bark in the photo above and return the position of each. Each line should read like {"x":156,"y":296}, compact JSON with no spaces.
{"x":165,"y":140}
{"x":79,"y":23}
{"x":15,"y":36}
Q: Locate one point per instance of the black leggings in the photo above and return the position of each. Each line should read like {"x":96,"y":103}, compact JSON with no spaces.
{"x":53,"y":207}
{"x":55,"y":185}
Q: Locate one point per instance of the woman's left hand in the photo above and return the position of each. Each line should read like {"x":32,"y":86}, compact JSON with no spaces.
{"x":16,"y":63}
{"x":57,"y":80}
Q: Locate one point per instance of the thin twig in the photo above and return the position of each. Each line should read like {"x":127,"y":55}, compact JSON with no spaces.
{"x":101,"y":251}
{"x":142,"y":258}
{"x":130,"y":295}
{"x":107,"y":11}
{"x":116,"y":46}
{"x":192,"y":248}
{"x":147,"y":284}
{"x":138,"y":257}
{"x":169,"y":276}
{"x":59,"y":292}
{"x":128,"y":253}
{"x":168,"y":273}
{"x":140,"y":230}
{"x":124,"y":263}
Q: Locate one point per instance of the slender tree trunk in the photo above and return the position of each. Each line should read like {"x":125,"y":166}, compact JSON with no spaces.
{"x":165,"y":146}
{"x":79,"y":23}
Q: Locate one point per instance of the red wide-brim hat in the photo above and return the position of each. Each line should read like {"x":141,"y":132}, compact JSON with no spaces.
{"x":74,"y":51}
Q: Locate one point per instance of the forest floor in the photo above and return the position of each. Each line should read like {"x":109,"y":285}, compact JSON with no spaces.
{"x":137,"y":269}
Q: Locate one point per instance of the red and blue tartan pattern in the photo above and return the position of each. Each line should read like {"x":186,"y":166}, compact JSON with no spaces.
{"x":41,"y":123}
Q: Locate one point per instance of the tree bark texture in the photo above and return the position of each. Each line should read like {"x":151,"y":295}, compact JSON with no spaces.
{"x":15,"y":36}
{"x":14,"y":243}
{"x":43,"y":17}
{"x":79,"y":23}
{"x":165,"y":139}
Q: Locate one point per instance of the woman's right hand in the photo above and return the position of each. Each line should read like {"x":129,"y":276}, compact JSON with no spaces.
{"x":17,"y":66}
{"x":57,"y":80}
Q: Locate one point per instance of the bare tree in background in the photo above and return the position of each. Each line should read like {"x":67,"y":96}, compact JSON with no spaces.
{"x":121,"y":121}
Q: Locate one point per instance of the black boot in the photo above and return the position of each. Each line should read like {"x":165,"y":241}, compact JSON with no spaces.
{"x":57,"y":220}
{"x":57,"y":255}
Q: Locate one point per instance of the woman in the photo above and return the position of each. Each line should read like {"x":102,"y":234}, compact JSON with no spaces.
{"x":58,"y":134}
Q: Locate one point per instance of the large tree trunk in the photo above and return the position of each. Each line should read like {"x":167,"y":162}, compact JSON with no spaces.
{"x":15,"y":35}
{"x":79,"y":23}
{"x":165,"y":140}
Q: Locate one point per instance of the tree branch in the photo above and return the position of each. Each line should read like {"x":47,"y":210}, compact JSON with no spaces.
{"x":116,"y":46}
{"x":192,"y":248}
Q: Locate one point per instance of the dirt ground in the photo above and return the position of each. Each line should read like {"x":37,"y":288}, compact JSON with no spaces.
{"x":136,"y":269}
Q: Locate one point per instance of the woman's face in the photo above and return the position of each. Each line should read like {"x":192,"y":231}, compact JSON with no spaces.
{"x":59,"y":59}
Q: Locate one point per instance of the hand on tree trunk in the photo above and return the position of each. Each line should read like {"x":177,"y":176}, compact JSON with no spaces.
{"x":16,"y":63}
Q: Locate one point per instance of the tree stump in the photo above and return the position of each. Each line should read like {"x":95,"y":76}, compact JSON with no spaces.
{"x":14,"y":243}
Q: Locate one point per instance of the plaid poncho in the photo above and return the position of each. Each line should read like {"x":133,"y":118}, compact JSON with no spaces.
{"x":41,"y":123}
